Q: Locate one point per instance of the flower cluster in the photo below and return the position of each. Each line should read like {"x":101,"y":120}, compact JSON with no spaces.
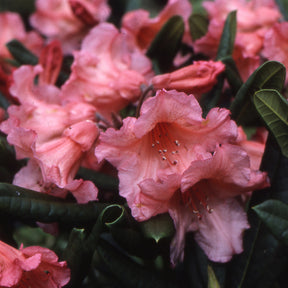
{"x":166,"y":134}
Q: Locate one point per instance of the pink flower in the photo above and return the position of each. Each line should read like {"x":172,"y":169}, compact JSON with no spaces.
{"x":171,"y":159}
{"x":108,"y":70}
{"x":251,"y":15}
{"x":275,"y":44}
{"x":55,"y":136}
{"x":254,"y":18}
{"x":197,"y":78}
{"x":68,"y":21}
{"x":34,"y":267}
{"x":145,"y":29}
{"x":12,"y":27}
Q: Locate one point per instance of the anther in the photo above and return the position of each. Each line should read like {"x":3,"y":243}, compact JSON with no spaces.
{"x":175,"y":162}
{"x":153,"y":145}
{"x":164,"y":158}
{"x":177,"y":143}
{"x":165,"y":150}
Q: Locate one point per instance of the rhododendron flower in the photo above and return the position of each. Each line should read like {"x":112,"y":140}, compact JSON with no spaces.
{"x":33,"y":267}
{"x":251,"y":15}
{"x":275,"y":44}
{"x":171,"y":159}
{"x":56,"y":136}
{"x":254,"y":18}
{"x":12,"y":27}
{"x":108,"y":70}
{"x":197,"y":78}
{"x":145,"y":29}
{"x":68,"y":21}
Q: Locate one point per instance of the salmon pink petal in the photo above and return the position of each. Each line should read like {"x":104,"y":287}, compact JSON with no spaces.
{"x":83,"y":191}
{"x":220,"y":233}
{"x":84,"y":133}
{"x":197,"y":78}
{"x":154,"y":197}
{"x":228,"y":164}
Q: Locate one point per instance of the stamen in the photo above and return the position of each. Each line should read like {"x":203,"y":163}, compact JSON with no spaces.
{"x":162,"y":138}
{"x":196,"y":200}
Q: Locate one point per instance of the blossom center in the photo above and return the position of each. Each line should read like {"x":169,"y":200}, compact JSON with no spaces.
{"x":197,"y":201}
{"x":165,"y":144}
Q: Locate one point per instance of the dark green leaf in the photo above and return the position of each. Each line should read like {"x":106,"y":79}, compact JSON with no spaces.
{"x":197,"y":6}
{"x":21,"y":54}
{"x":198,"y":24}
{"x":167,"y":43}
{"x":158,"y":227}
{"x":81,"y":246}
{"x":232,"y":74}
{"x":270,"y":75}
{"x":76,"y":256}
{"x":101,"y":180}
{"x":212,"y":98}
{"x":264,"y":257}
{"x":273,"y":108}
{"x":134,"y":243}
{"x":274,"y":215}
{"x":226,"y":45}
{"x":20,"y":6}
{"x":153,"y":6}
{"x":283,"y":6}
{"x":31,"y":205}
{"x":129,"y":273}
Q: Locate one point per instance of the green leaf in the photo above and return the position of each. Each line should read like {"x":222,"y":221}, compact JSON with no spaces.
{"x":31,"y":205}
{"x":212,"y":98}
{"x":226,"y":45}
{"x":101,"y":180}
{"x":232,"y":74}
{"x":197,"y":6}
{"x":129,"y":273}
{"x":212,"y":280}
{"x":198,"y":24}
{"x":76,"y":257}
{"x":274,"y":214}
{"x":21,"y":54}
{"x":273,"y":108}
{"x":19,"y":6}
{"x":81,"y":244}
{"x":166,"y":44}
{"x":283,"y":6}
{"x":158,"y":227}
{"x":270,"y":75}
{"x":264,"y":257}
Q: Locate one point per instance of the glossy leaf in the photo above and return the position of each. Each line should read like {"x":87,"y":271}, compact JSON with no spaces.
{"x":274,"y":215}
{"x":31,"y":205}
{"x":273,"y":108}
{"x":166,"y":44}
{"x":270,"y":75}
{"x":198,"y":24}
{"x":226,"y":45}
{"x":20,"y":53}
